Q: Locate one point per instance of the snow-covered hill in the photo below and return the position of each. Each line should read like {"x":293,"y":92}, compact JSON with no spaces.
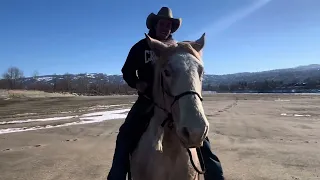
{"x":289,"y":75}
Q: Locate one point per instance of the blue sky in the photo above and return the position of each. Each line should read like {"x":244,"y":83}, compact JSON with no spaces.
{"x":78,"y":36}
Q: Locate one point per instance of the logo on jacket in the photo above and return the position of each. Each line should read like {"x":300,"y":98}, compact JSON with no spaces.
{"x":150,"y":56}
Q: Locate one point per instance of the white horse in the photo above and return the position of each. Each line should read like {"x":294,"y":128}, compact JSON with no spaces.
{"x":166,"y":150}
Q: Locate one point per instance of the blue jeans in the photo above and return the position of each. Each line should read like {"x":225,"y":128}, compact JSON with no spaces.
{"x":129,"y":135}
{"x":211,"y":162}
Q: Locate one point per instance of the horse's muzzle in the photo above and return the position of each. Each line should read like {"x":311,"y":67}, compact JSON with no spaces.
{"x":192,"y":137}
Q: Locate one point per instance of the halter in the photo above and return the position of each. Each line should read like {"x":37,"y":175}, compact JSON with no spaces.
{"x":169,"y":119}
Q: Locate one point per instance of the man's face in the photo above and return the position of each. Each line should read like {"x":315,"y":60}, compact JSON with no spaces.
{"x":163,"y":29}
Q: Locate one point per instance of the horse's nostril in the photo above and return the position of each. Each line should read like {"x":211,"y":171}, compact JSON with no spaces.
{"x":185,"y":132}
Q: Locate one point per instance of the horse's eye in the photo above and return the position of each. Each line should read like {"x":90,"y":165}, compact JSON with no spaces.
{"x":166,"y":72}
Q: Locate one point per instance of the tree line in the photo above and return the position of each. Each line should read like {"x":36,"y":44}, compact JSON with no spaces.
{"x":14,"y":78}
{"x":268,"y":86}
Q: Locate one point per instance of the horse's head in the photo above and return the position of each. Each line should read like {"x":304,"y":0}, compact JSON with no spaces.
{"x":178,"y":85}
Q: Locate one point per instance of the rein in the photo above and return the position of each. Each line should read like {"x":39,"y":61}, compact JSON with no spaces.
{"x":169,"y":119}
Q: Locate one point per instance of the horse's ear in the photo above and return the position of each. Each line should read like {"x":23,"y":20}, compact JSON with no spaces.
{"x":198,"y":44}
{"x":155,"y":44}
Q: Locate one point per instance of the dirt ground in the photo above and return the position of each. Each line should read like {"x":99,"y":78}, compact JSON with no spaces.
{"x":256,"y":136}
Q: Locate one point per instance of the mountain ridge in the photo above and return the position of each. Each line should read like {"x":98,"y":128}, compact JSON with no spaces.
{"x":301,"y":67}
{"x":294,"y":75}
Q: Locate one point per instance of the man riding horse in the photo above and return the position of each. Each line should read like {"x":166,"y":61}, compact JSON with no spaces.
{"x":141,"y":59}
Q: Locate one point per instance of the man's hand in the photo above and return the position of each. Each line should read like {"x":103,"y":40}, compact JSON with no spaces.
{"x":141,"y":86}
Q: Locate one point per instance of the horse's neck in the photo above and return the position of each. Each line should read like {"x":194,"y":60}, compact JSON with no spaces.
{"x":172,"y":150}
{"x":171,"y":162}
{"x":171,"y":145}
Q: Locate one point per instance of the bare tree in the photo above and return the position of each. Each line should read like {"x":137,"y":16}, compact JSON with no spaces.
{"x":67,"y":80}
{"x":35,"y":74}
{"x":13,"y":75}
{"x":82,"y":84}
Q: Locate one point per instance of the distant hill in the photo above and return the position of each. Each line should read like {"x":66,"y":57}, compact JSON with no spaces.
{"x":308,"y":77}
{"x":289,"y":75}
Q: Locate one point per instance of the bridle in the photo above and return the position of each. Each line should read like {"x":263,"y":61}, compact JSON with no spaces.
{"x":169,"y":119}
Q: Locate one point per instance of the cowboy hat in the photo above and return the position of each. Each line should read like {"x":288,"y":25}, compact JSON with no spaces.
{"x":164,"y":13}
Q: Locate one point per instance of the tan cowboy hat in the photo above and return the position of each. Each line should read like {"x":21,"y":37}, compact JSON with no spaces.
{"x":164,"y":13}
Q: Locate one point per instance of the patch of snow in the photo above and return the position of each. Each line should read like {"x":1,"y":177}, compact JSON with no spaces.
{"x":296,"y":115}
{"x":101,"y":116}
{"x":282,"y":99}
{"x":301,"y":115}
{"x":36,"y":120}
{"x":24,"y":114}
{"x":44,"y":78}
{"x":105,"y":106}
{"x":84,"y":119}
{"x":66,"y":112}
{"x":90,"y":75}
{"x":92,"y":108}
{"x":208,"y":92}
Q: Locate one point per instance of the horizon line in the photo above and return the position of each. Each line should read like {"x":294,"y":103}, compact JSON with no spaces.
{"x":204,"y":73}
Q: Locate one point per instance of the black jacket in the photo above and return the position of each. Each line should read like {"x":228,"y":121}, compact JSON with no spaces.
{"x":140,"y":59}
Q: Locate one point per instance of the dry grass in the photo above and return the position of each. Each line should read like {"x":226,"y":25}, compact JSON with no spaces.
{"x":17,"y":94}
{"x":247,"y":132}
